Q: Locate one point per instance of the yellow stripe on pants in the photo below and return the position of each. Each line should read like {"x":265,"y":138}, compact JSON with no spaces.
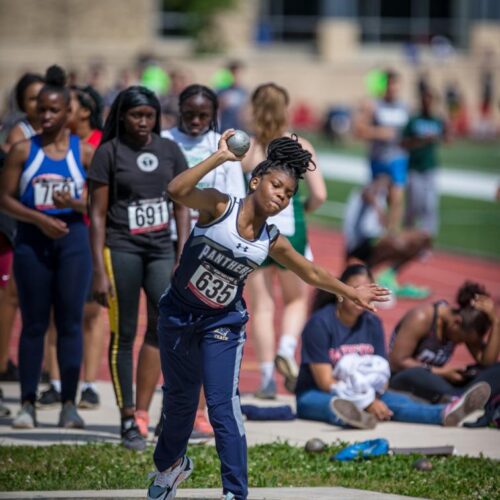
{"x":114,"y":326}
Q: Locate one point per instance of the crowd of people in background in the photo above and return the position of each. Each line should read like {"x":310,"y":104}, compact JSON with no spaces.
{"x":103,"y":190}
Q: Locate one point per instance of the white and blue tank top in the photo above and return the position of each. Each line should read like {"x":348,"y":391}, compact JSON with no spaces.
{"x":393,"y":115}
{"x":26,"y":128}
{"x":42,"y":176}
{"x":216,"y":261}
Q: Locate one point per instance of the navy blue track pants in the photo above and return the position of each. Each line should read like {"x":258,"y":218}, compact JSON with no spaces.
{"x":51,"y":274}
{"x":198,"y":349}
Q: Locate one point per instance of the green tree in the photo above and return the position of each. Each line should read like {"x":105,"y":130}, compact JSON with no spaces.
{"x":201,"y":24}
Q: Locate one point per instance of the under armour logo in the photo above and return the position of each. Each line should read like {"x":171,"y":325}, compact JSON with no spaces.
{"x":243,"y":247}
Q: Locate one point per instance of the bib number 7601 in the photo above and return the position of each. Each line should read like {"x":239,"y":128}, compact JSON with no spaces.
{"x":44,"y":190}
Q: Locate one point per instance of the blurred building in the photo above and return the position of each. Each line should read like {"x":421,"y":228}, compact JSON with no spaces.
{"x":319,"y":49}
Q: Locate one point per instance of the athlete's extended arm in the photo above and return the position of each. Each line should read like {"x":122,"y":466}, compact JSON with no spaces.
{"x":99,"y":199}
{"x":283,"y":252}
{"x":9,"y":189}
{"x":314,"y":180}
{"x":182,"y":189}
{"x":365,"y":129}
{"x":183,"y":225}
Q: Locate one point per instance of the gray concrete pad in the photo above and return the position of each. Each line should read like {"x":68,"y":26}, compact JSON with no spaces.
{"x":103,"y":425}
{"x":207,"y":494}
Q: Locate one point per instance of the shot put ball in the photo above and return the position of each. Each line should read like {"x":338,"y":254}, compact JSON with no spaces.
{"x":239,"y":143}
{"x":315,"y":445}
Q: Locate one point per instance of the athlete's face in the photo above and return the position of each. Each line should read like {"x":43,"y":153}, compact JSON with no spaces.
{"x":392,"y":89}
{"x":30,"y":100}
{"x":196,"y":114}
{"x":273,"y":191}
{"x":53,"y":111}
{"x":139,"y":122}
{"x":455,"y":331}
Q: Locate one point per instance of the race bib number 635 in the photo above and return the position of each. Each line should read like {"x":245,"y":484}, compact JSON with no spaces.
{"x":212,"y":287}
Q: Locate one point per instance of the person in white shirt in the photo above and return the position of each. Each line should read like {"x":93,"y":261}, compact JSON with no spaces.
{"x":197,"y":136}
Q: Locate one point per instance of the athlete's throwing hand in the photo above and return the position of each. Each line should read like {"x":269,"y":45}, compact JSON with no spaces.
{"x":366,"y":294}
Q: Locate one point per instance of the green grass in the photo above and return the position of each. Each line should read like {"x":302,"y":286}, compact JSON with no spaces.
{"x":461,"y":154}
{"x":468,"y":226}
{"x":106,"y":466}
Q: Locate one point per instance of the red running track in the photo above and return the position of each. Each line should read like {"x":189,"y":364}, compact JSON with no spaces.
{"x":442,"y":272}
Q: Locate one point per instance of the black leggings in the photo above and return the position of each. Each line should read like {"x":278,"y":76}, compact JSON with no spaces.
{"x":129,"y":273}
{"x":51,"y":274}
{"x":428,"y":385}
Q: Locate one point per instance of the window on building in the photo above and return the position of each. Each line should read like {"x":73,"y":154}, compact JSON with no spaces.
{"x":290,"y":20}
{"x":174,"y":18}
{"x":415,"y":21}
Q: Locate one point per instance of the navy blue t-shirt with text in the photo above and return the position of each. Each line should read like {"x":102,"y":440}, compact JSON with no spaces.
{"x":325,"y":340}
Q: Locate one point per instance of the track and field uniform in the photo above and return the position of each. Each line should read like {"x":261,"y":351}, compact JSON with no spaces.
{"x":292,"y":223}
{"x":422,"y":205}
{"x":51,"y":272}
{"x":433,"y":351}
{"x":139,"y":252}
{"x":226,"y":178}
{"x":388,"y":157}
{"x":202,"y":333}
{"x":26,"y":128}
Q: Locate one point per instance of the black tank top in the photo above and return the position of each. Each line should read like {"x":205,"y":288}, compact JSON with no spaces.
{"x":430,"y":350}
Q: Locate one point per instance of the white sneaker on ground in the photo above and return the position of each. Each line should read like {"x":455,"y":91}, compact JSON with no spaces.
{"x":350,"y":414}
{"x":26,"y":417}
{"x":287,"y":366}
{"x":164,"y":485}
{"x":471,"y":400}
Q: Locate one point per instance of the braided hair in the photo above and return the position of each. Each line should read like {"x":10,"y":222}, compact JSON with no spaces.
{"x":196,"y":89}
{"x":129,"y":98}
{"x":90,"y":99}
{"x":24,"y":82}
{"x":55,"y":82}
{"x":288,"y":155}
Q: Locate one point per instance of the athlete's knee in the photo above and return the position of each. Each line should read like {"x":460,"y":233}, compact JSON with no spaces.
{"x":34,"y":328}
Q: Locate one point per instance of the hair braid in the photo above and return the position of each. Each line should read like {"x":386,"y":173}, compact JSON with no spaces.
{"x":288,"y":155}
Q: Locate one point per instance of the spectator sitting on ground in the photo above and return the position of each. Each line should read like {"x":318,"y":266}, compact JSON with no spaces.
{"x":424,"y":340}
{"x":336,"y":329}
{"x":368,"y":238}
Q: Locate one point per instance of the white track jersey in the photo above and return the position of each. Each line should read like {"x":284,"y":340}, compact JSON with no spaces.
{"x":216,"y":261}
{"x":227,"y":178}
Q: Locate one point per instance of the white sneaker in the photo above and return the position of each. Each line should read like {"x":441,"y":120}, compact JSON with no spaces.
{"x":26,"y":417}
{"x":165,"y":483}
{"x":350,"y":414}
{"x":288,"y":368}
{"x":471,"y":400}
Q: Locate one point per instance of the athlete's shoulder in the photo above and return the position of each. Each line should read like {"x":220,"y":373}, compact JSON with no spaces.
{"x":168,"y":133}
{"x":21,"y":149}
{"x":164,"y":143}
{"x":273,"y":232}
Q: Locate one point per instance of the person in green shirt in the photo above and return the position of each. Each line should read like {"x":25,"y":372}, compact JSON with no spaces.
{"x":421,"y":137}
